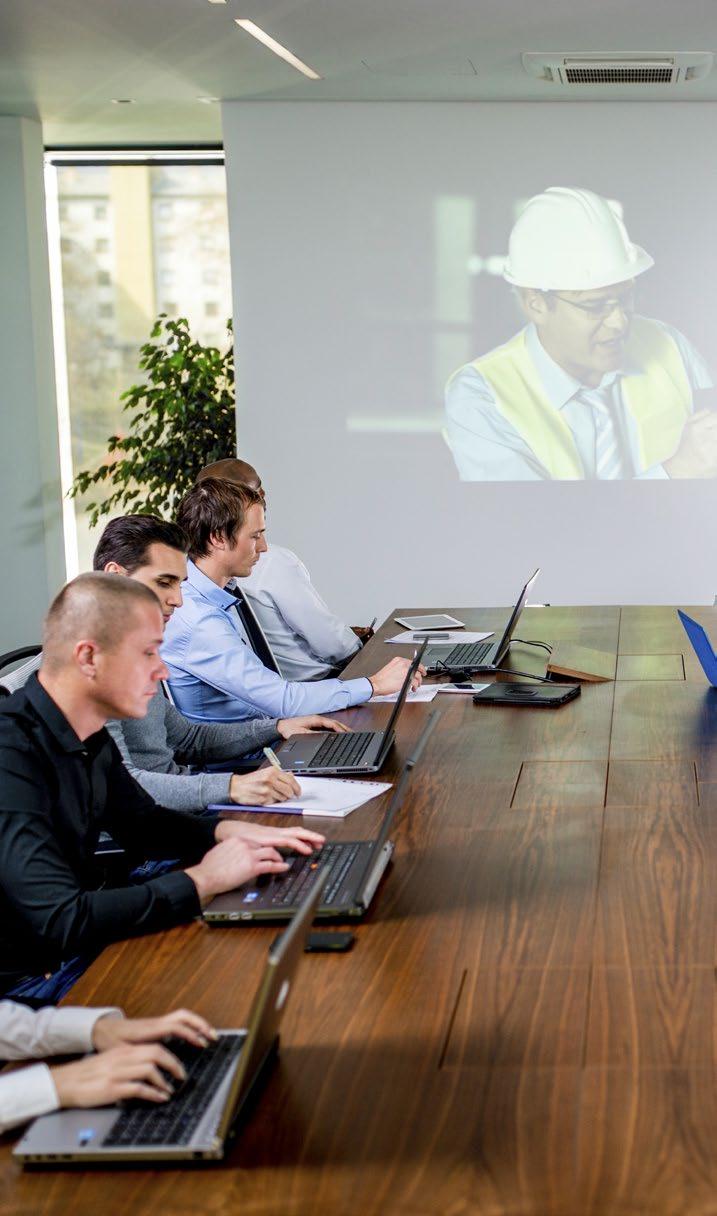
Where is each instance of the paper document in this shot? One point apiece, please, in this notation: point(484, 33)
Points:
point(425, 693)
point(333, 797)
point(451, 637)
point(464, 688)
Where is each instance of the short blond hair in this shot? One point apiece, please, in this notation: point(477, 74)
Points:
point(100, 607)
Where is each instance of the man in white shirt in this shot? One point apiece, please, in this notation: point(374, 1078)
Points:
point(306, 639)
point(129, 1057)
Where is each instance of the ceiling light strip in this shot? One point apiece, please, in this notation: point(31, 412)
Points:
point(256, 32)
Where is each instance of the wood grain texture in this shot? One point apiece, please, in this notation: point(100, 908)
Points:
point(526, 1025)
point(650, 667)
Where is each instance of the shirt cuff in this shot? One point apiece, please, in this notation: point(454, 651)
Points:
point(25, 1094)
point(72, 1026)
point(359, 690)
point(656, 472)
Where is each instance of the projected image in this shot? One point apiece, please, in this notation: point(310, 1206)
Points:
point(591, 386)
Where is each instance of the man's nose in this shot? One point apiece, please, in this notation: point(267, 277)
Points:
point(618, 319)
point(161, 672)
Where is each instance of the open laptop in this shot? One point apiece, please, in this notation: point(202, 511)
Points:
point(701, 646)
point(477, 656)
point(354, 869)
point(199, 1120)
point(360, 751)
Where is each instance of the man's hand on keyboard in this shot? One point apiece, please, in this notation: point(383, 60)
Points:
point(390, 678)
point(111, 1030)
point(303, 726)
point(300, 840)
point(129, 1071)
point(231, 863)
point(263, 787)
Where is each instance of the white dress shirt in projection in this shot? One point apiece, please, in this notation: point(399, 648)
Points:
point(305, 637)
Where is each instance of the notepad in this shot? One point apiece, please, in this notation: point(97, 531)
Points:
point(453, 637)
point(425, 693)
point(332, 797)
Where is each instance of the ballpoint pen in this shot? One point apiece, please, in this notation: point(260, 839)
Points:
point(272, 758)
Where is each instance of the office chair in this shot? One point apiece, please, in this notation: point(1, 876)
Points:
point(15, 679)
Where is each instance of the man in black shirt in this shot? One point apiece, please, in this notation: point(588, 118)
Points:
point(62, 782)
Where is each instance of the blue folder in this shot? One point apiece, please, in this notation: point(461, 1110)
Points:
point(701, 646)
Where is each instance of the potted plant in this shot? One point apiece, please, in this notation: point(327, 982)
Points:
point(182, 417)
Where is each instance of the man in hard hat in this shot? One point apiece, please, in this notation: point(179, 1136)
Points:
point(588, 389)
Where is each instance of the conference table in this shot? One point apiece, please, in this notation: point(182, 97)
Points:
point(526, 1023)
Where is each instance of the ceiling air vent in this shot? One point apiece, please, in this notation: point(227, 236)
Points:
point(578, 70)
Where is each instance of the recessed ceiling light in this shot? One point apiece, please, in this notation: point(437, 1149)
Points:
point(276, 47)
point(217, 1)
point(124, 101)
point(209, 101)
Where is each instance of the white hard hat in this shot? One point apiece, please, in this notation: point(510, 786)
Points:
point(571, 240)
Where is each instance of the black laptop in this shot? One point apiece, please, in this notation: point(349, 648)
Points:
point(354, 870)
point(477, 656)
point(324, 753)
point(201, 1117)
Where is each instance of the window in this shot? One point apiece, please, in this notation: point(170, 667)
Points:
point(103, 213)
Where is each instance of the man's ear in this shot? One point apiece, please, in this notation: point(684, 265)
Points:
point(535, 304)
point(217, 541)
point(114, 568)
point(85, 655)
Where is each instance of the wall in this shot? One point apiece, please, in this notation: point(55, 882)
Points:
point(361, 239)
point(31, 544)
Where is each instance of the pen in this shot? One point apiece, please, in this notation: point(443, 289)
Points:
point(373, 622)
point(272, 758)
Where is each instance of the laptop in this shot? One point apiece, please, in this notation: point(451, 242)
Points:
point(360, 751)
point(355, 868)
point(701, 646)
point(197, 1123)
point(478, 656)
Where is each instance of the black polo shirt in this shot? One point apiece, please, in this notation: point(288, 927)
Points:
point(56, 795)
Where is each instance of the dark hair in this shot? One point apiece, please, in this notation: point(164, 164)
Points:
point(214, 507)
point(127, 539)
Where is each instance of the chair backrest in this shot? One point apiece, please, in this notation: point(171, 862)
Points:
point(15, 679)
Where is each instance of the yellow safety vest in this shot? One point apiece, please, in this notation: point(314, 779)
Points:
point(658, 397)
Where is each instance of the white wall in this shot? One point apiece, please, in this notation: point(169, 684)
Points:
point(352, 231)
point(31, 543)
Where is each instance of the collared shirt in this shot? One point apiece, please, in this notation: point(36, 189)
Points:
point(25, 1034)
point(161, 750)
point(305, 637)
point(215, 675)
point(57, 793)
point(487, 447)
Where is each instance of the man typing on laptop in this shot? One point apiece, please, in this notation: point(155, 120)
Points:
point(62, 782)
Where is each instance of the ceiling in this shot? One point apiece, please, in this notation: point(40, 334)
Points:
point(63, 61)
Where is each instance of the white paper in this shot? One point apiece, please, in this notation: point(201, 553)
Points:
point(329, 796)
point(470, 688)
point(450, 638)
point(425, 693)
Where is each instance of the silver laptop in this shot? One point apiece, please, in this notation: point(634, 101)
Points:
point(358, 751)
point(354, 869)
point(199, 1120)
point(477, 656)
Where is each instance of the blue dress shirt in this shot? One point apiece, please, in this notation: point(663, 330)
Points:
point(215, 676)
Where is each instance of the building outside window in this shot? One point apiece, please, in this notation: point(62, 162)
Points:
point(124, 233)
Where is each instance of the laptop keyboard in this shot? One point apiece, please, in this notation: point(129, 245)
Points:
point(468, 654)
point(343, 751)
point(174, 1122)
point(291, 889)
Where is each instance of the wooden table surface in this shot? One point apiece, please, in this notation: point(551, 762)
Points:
point(526, 1023)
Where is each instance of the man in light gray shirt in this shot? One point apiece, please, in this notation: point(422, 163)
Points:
point(163, 750)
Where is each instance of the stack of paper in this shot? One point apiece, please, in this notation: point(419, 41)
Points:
point(425, 693)
point(333, 797)
point(447, 637)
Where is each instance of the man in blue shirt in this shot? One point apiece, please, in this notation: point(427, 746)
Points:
point(214, 672)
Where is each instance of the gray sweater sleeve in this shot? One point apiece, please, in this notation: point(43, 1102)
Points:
point(181, 790)
point(214, 742)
